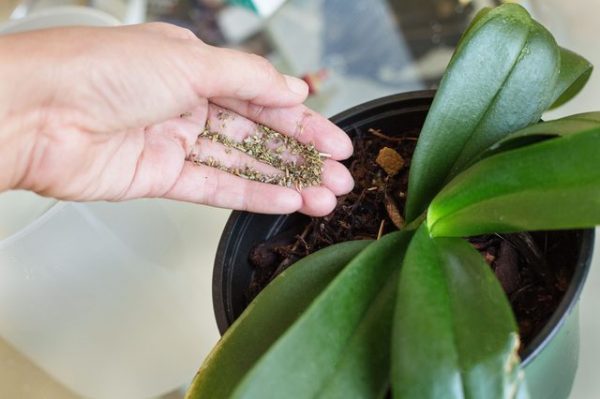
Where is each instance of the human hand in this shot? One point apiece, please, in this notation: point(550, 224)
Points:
point(96, 114)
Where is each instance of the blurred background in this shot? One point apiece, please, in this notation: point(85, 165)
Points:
point(349, 52)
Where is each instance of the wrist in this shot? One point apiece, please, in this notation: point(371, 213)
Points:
point(20, 119)
point(17, 145)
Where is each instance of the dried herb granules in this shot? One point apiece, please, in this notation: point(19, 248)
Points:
point(301, 165)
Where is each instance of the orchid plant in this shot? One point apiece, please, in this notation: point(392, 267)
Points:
point(419, 311)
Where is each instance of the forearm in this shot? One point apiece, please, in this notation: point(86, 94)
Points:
point(17, 144)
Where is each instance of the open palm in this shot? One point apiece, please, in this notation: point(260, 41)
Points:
point(115, 114)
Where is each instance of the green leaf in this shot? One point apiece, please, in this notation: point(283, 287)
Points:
point(500, 79)
point(310, 354)
point(267, 318)
point(364, 370)
point(575, 72)
point(454, 334)
point(545, 130)
point(554, 184)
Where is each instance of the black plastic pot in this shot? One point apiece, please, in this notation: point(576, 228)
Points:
point(551, 358)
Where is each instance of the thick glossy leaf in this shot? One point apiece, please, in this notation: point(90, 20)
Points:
point(309, 355)
point(364, 370)
point(500, 79)
point(267, 317)
point(454, 334)
point(575, 72)
point(554, 184)
point(545, 130)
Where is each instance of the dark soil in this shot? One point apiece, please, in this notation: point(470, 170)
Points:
point(534, 268)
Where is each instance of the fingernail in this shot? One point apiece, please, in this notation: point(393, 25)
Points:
point(296, 85)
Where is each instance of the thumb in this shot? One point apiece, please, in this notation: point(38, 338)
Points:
point(221, 72)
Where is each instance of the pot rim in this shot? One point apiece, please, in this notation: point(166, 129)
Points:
point(239, 221)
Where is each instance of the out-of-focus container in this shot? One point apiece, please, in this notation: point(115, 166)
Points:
point(59, 16)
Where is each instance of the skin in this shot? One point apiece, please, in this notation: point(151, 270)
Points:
point(95, 114)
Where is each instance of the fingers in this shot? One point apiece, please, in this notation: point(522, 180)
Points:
point(299, 122)
point(335, 176)
point(205, 185)
point(209, 152)
point(317, 201)
point(210, 186)
point(229, 123)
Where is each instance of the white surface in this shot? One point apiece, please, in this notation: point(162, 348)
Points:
point(14, 218)
point(113, 300)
